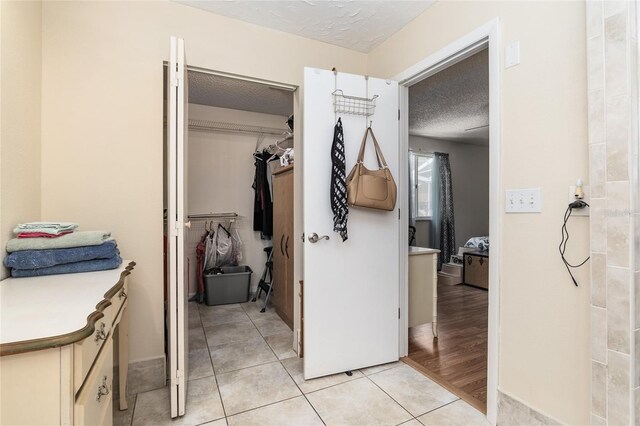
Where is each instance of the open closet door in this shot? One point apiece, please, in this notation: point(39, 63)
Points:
point(351, 288)
point(177, 222)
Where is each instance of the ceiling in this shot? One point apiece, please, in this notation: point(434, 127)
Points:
point(356, 25)
point(225, 92)
point(454, 103)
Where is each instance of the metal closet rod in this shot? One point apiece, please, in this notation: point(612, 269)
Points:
point(232, 215)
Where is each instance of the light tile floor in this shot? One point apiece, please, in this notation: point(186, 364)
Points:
point(243, 371)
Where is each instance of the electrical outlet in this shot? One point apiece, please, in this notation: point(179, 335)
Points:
point(586, 199)
point(523, 201)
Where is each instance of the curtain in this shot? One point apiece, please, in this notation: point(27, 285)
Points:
point(434, 228)
point(445, 214)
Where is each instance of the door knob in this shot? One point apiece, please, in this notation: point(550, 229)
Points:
point(313, 237)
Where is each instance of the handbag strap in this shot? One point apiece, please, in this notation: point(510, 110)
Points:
point(381, 161)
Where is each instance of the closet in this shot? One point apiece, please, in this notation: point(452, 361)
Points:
point(230, 121)
point(283, 243)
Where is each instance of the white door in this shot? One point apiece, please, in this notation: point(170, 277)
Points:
point(177, 223)
point(350, 288)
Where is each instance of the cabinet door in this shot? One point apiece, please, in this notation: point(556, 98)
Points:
point(279, 257)
point(287, 309)
point(288, 250)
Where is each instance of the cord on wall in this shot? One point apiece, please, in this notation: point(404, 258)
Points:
point(578, 204)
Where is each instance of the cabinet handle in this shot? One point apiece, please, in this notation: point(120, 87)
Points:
point(103, 389)
point(281, 239)
point(100, 334)
point(286, 247)
point(122, 294)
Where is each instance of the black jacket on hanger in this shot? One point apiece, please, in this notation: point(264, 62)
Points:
point(262, 205)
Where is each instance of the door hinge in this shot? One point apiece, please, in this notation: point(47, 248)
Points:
point(398, 214)
point(398, 313)
point(178, 379)
point(398, 114)
point(175, 80)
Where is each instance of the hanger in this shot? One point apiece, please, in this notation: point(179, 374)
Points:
point(260, 140)
point(287, 136)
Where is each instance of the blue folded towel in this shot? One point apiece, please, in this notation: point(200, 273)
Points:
point(70, 268)
point(34, 259)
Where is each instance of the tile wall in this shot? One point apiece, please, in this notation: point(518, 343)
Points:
point(612, 66)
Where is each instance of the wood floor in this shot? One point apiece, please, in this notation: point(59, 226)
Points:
point(457, 359)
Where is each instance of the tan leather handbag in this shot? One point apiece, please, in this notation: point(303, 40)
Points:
point(374, 189)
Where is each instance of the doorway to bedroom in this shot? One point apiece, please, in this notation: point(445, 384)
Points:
point(448, 193)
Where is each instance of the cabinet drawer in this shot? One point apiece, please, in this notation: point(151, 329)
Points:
point(94, 399)
point(85, 351)
point(476, 270)
point(117, 300)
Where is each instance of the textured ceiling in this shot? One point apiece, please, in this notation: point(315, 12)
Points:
point(454, 103)
point(225, 92)
point(356, 25)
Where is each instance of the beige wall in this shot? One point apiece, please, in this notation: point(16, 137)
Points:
point(21, 71)
point(102, 119)
point(544, 319)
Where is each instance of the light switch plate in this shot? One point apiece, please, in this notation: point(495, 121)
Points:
point(523, 201)
point(512, 55)
point(587, 199)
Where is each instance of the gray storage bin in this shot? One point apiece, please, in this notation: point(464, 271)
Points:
point(232, 286)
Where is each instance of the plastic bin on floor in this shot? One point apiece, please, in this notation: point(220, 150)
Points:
point(232, 286)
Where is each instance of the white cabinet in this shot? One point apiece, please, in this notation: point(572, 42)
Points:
point(423, 287)
point(56, 347)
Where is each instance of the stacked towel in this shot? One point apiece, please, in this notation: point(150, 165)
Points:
point(75, 239)
point(69, 253)
point(70, 268)
point(44, 229)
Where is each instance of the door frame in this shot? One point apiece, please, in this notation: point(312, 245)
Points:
point(487, 35)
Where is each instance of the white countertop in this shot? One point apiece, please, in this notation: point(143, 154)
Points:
point(42, 307)
point(413, 251)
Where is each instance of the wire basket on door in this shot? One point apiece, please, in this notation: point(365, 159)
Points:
point(354, 105)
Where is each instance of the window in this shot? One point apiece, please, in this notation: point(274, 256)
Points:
point(422, 196)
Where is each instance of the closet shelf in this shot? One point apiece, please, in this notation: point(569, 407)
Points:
point(221, 126)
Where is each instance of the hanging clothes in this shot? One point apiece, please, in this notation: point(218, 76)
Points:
point(224, 247)
point(338, 192)
point(262, 205)
point(200, 256)
point(210, 251)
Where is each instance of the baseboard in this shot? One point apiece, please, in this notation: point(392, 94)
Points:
point(514, 412)
point(142, 376)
